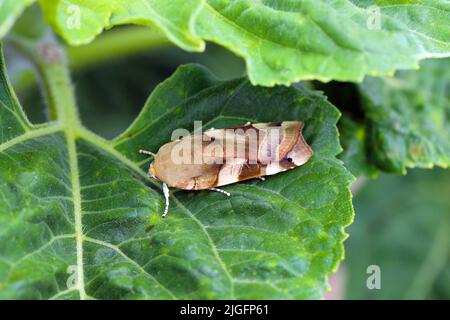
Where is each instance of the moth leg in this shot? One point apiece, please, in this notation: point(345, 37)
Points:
point(247, 123)
point(166, 197)
point(221, 191)
point(210, 129)
point(261, 178)
point(141, 151)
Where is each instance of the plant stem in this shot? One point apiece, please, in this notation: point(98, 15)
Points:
point(50, 62)
point(58, 87)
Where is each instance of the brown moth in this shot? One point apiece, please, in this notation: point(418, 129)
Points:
point(220, 157)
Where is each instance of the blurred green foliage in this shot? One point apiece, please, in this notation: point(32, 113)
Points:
point(402, 224)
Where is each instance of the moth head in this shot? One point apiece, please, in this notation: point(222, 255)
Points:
point(300, 153)
point(152, 172)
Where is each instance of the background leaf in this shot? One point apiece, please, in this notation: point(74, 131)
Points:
point(285, 41)
point(409, 117)
point(174, 18)
point(282, 41)
point(75, 202)
point(391, 124)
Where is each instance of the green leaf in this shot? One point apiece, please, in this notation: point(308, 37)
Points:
point(403, 226)
point(13, 122)
point(260, 217)
point(285, 41)
point(408, 118)
point(281, 41)
point(391, 124)
point(75, 204)
point(10, 10)
point(174, 18)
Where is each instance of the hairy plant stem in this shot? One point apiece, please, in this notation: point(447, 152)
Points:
point(58, 87)
point(49, 59)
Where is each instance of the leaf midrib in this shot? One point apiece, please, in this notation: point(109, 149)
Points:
point(77, 210)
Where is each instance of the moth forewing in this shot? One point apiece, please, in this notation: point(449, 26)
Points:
point(220, 157)
point(214, 151)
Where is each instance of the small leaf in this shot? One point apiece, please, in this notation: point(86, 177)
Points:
point(86, 222)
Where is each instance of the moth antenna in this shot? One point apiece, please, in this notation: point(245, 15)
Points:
point(141, 151)
point(166, 196)
point(221, 191)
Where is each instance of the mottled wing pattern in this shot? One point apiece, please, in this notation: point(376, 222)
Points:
point(282, 151)
point(223, 156)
